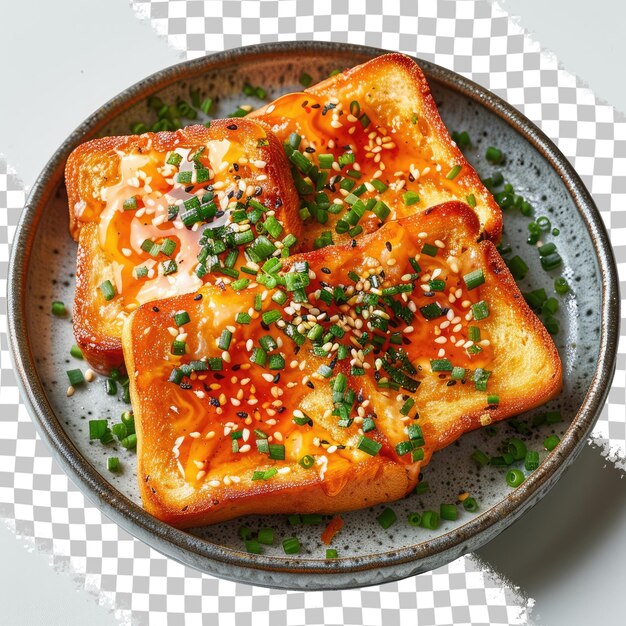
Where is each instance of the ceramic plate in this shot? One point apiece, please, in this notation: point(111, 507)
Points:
point(42, 270)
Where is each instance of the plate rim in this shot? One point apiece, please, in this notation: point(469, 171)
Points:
point(179, 544)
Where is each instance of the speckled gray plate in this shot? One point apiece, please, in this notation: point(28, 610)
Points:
point(42, 269)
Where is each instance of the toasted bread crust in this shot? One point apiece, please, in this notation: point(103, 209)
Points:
point(96, 164)
point(445, 412)
point(392, 88)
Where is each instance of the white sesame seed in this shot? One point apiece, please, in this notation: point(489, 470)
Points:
point(245, 448)
point(70, 391)
point(195, 434)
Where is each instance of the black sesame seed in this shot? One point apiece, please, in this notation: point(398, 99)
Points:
point(326, 270)
point(155, 309)
point(232, 127)
point(198, 296)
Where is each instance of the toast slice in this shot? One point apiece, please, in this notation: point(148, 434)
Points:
point(324, 384)
point(139, 207)
point(370, 140)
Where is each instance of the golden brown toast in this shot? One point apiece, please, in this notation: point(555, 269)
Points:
point(138, 209)
point(383, 142)
point(328, 380)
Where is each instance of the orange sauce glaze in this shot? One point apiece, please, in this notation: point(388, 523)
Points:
point(391, 155)
point(244, 396)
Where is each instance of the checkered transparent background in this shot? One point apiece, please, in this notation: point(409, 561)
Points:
point(473, 38)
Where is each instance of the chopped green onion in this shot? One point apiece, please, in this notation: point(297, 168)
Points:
point(494, 155)
point(441, 365)
point(271, 316)
point(266, 536)
point(243, 318)
point(240, 284)
point(474, 279)
point(457, 373)
point(470, 505)
point(410, 197)
point(531, 462)
point(387, 518)
point(514, 478)
point(551, 442)
point(178, 348)
point(454, 172)
point(277, 451)
point(169, 267)
point(517, 448)
point(480, 310)
point(97, 428)
point(430, 250)
point(225, 338)
point(551, 261)
point(76, 352)
point(75, 377)
point(130, 442)
point(276, 362)
point(369, 446)
point(431, 311)
point(517, 266)
point(107, 289)
point(471, 200)
point(291, 545)
point(448, 512)
point(480, 458)
point(174, 159)
point(130, 204)
point(493, 400)
point(181, 318)
point(430, 520)
point(331, 553)
point(307, 461)
point(422, 488)
point(253, 546)
point(113, 464)
point(414, 519)
point(58, 309)
point(561, 286)
point(110, 386)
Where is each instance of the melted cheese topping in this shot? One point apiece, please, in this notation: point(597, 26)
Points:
point(121, 233)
